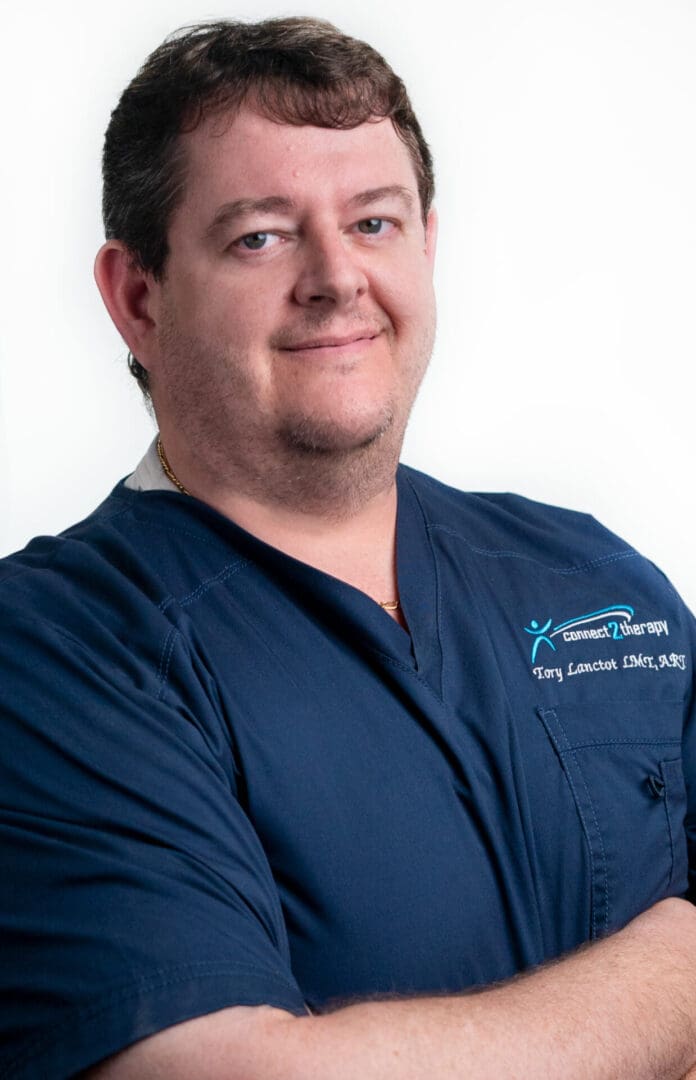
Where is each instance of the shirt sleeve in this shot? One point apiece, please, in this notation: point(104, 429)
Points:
point(134, 892)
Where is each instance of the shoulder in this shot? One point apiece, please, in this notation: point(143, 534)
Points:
point(72, 579)
point(137, 552)
point(521, 556)
point(501, 523)
point(96, 634)
point(109, 599)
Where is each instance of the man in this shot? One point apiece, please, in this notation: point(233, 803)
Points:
point(300, 745)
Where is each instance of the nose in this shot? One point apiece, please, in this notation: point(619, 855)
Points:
point(330, 273)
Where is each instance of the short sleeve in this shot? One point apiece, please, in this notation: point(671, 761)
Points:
point(134, 891)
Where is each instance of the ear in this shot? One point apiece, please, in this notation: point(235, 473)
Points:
point(431, 235)
point(127, 292)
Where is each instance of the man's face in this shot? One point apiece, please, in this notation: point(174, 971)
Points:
point(296, 316)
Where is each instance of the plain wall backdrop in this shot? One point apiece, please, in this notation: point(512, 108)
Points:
point(563, 135)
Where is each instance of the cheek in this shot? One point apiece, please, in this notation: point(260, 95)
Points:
point(213, 293)
point(404, 282)
point(246, 313)
point(412, 302)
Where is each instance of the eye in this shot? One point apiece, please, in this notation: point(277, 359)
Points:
point(254, 241)
point(371, 226)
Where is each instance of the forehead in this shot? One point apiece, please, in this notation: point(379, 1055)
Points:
point(250, 156)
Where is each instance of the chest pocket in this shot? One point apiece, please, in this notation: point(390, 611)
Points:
point(622, 763)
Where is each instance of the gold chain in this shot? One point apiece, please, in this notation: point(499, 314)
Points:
point(168, 471)
point(386, 605)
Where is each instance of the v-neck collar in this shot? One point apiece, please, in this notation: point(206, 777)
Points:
point(418, 581)
point(417, 650)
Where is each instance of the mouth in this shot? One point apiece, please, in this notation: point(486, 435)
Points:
point(333, 344)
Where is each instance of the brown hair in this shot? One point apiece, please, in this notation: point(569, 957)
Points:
point(298, 71)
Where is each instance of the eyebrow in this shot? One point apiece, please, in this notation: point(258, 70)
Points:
point(392, 191)
point(279, 204)
point(229, 212)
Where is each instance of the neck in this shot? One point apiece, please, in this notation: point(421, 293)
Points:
point(348, 532)
point(359, 548)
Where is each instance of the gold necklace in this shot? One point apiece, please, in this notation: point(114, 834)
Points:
point(386, 605)
point(168, 471)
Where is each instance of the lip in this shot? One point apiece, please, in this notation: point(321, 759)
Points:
point(332, 341)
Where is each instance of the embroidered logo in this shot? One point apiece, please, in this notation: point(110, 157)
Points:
point(616, 624)
point(608, 624)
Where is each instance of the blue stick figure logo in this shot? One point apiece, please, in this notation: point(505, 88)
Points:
point(539, 632)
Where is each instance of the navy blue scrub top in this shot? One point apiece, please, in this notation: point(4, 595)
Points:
point(228, 778)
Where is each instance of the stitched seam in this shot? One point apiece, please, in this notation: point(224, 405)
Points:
point(222, 575)
point(165, 653)
point(624, 742)
point(146, 521)
point(165, 661)
point(574, 790)
point(552, 716)
point(438, 615)
point(563, 752)
point(438, 592)
point(633, 701)
point(90, 1012)
point(672, 839)
point(599, 834)
point(218, 579)
point(409, 671)
point(390, 660)
point(493, 554)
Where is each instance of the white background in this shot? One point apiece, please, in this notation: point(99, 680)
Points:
point(564, 136)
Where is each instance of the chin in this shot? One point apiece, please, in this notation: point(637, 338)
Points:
point(310, 435)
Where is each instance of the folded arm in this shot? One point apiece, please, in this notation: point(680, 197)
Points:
point(621, 1009)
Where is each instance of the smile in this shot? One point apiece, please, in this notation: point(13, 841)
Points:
point(334, 345)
